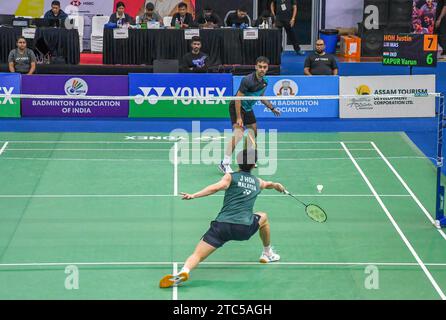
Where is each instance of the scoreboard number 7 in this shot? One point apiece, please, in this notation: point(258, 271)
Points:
point(430, 42)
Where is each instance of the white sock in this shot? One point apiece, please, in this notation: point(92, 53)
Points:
point(227, 159)
point(185, 269)
point(267, 249)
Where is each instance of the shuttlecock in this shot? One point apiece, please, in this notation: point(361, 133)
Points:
point(319, 188)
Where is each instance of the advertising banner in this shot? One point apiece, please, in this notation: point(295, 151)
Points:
point(71, 85)
point(148, 87)
point(364, 106)
point(281, 86)
point(9, 84)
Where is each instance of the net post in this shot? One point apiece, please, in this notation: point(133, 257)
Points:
point(440, 218)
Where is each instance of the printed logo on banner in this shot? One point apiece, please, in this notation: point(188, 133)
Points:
point(10, 84)
point(387, 96)
point(150, 94)
point(75, 3)
point(293, 86)
point(76, 87)
point(180, 86)
point(286, 87)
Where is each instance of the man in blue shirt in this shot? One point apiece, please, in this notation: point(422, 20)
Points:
point(241, 112)
point(55, 13)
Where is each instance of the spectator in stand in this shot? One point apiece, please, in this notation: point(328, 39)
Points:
point(237, 18)
point(208, 19)
point(55, 13)
point(320, 62)
point(120, 17)
point(285, 12)
point(195, 61)
point(22, 59)
point(150, 15)
point(182, 18)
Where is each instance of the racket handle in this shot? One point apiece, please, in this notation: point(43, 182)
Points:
point(286, 192)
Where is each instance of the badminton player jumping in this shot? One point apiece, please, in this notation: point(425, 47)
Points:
point(241, 112)
point(236, 220)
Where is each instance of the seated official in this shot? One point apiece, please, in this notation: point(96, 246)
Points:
point(195, 61)
point(120, 15)
point(320, 63)
point(182, 18)
point(22, 59)
point(237, 17)
point(55, 13)
point(264, 18)
point(208, 19)
point(150, 16)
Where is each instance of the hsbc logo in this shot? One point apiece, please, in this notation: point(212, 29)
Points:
point(75, 3)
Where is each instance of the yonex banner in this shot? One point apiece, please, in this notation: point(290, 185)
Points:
point(382, 106)
point(9, 84)
point(148, 87)
point(75, 86)
point(291, 86)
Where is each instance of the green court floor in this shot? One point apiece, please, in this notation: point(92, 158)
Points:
point(107, 205)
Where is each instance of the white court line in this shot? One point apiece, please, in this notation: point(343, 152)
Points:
point(164, 160)
point(7, 196)
point(175, 288)
point(175, 170)
point(395, 225)
point(170, 142)
point(85, 159)
point(4, 147)
point(415, 198)
point(183, 149)
point(217, 263)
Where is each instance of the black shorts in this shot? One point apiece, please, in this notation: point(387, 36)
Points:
point(221, 232)
point(247, 117)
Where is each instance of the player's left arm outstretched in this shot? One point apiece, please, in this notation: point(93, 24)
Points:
point(223, 184)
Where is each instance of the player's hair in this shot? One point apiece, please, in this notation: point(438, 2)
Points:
point(55, 3)
point(242, 9)
point(262, 59)
point(182, 5)
point(196, 39)
point(20, 38)
point(246, 159)
point(150, 6)
point(120, 4)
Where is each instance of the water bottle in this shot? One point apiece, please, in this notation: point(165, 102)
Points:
point(270, 23)
point(177, 24)
point(138, 20)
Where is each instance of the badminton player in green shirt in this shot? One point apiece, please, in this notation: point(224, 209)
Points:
point(236, 220)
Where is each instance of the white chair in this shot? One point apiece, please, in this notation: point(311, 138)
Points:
point(167, 21)
point(79, 25)
point(97, 32)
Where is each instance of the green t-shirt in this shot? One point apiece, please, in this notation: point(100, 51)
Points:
point(239, 199)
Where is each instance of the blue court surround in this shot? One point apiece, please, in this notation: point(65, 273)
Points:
point(291, 65)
